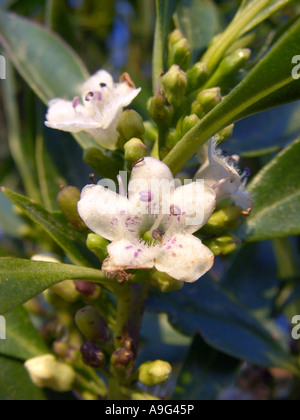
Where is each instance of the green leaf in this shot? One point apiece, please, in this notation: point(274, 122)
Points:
point(22, 340)
point(223, 323)
point(276, 193)
point(21, 280)
point(164, 10)
point(269, 84)
point(10, 223)
point(15, 384)
point(204, 373)
point(55, 224)
point(198, 20)
point(49, 66)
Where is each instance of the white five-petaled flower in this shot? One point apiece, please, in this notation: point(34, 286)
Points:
point(221, 174)
point(103, 102)
point(170, 218)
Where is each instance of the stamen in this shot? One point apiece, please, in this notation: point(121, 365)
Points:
point(103, 85)
point(139, 161)
point(158, 235)
point(89, 96)
point(222, 182)
point(125, 78)
point(121, 186)
point(246, 173)
point(175, 210)
point(92, 178)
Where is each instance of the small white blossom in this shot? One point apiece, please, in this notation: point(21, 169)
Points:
point(170, 219)
point(102, 105)
point(221, 174)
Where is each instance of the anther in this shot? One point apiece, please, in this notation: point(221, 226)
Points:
point(103, 85)
point(92, 178)
point(158, 235)
point(89, 96)
point(174, 210)
point(125, 78)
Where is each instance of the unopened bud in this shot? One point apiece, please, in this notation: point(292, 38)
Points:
point(227, 218)
point(122, 359)
point(224, 134)
point(97, 245)
point(92, 355)
point(229, 66)
point(188, 123)
point(135, 150)
point(222, 245)
point(174, 84)
point(206, 101)
point(66, 291)
point(180, 51)
point(88, 289)
point(67, 200)
point(130, 125)
point(160, 110)
point(197, 77)
point(66, 351)
point(91, 324)
point(165, 283)
point(173, 138)
point(46, 372)
point(154, 373)
point(105, 163)
point(151, 132)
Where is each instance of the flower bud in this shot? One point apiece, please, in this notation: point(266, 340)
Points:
point(154, 373)
point(66, 351)
point(174, 84)
point(151, 132)
point(165, 283)
point(227, 218)
point(122, 359)
point(224, 134)
point(129, 126)
point(206, 101)
point(229, 66)
point(179, 50)
point(105, 163)
point(88, 289)
point(46, 372)
point(188, 123)
point(160, 110)
point(91, 324)
point(97, 245)
point(197, 76)
point(66, 291)
point(173, 138)
point(222, 245)
point(67, 200)
point(92, 355)
point(135, 150)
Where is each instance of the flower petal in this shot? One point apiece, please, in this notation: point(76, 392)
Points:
point(191, 207)
point(107, 213)
point(184, 258)
point(128, 255)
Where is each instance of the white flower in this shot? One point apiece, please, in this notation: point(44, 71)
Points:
point(221, 174)
point(103, 103)
point(154, 207)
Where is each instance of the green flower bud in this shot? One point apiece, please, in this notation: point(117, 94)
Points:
point(97, 245)
point(197, 77)
point(222, 245)
point(188, 123)
point(180, 51)
point(92, 355)
point(160, 110)
point(227, 218)
point(224, 134)
point(229, 66)
point(91, 324)
point(46, 372)
point(66, 290)
point(154, 373)
point(67, 200)
point(129, 126)
point(165, 283)
point(174, 84)
point(122, 359)
point(173, 138)
point(135, 150)
point(105, 163)
point(206, 101)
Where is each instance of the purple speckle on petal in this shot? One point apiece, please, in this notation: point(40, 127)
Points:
point(146, 196)
point(123, 212)
point(181, 246)
point(75, 102)
point(136, 254)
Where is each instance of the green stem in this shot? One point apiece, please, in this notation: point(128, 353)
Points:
point(158, 50)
